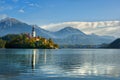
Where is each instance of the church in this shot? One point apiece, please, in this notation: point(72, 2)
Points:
point(33, 34)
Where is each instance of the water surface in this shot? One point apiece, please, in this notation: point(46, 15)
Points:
point(61, 64)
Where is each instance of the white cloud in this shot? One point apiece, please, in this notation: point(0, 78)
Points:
point(21, 10)
point(31, 4)
point(110, 28)
point(5, 8)
point(2, 16)
point(34, 5)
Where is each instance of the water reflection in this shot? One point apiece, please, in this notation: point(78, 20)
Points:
point(45, 57)
point(83, 64)
point(60, 63)
point(38, 57)
point(33, 60)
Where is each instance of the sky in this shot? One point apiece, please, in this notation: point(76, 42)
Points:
point(42, 12)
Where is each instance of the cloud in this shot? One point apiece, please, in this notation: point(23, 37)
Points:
point(33, 4)
point(5, 8)
point(21, 10)
point(2, 16)
point(110, 28)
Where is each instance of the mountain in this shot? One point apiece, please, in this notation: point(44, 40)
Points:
point(67, 32)
point(83, 39)
point(115, 44)
point(74, 36)
point(110, 28)
point(67, 35)
point(13, 26)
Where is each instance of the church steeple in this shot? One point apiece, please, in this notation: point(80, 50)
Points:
point(33, 31)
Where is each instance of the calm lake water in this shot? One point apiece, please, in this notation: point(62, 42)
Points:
point(61, 64)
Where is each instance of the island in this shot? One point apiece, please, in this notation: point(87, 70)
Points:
point(26, 40)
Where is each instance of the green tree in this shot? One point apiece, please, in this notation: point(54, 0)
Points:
point(2, 43)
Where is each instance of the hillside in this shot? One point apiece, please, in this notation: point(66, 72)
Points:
point(115, 44)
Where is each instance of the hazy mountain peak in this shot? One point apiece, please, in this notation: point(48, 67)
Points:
point(9, 20)
point(67, 31)
point(70, 30)
point(10, 23)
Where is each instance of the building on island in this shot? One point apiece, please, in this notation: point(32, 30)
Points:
point(33, 32)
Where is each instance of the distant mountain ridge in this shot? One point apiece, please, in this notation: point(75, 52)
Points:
point(110, 28)
point(66, 35)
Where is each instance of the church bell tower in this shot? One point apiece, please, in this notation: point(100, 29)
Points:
point(33, 32)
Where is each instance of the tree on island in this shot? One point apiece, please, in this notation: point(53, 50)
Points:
point(2, 43)
point(23, 41)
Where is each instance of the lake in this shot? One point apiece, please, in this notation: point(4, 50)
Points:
point(59, 64)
